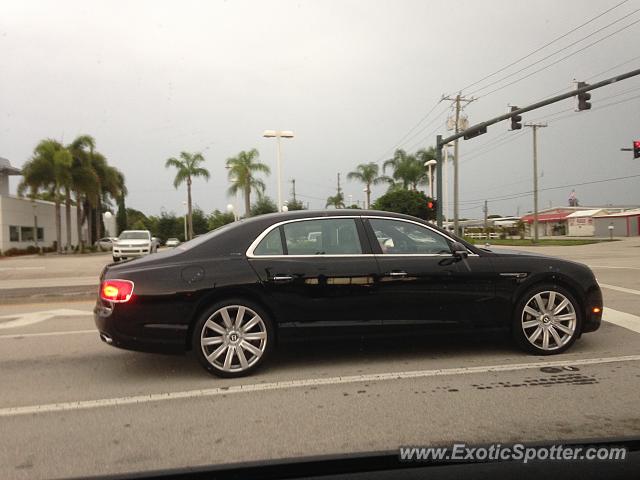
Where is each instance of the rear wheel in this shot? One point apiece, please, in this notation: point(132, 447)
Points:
point(547, 320)
point(233, 338)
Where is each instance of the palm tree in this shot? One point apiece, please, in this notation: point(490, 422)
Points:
point(367, 173)
point(242, 170)
point(49, 168)
point(85, 183)
point(336, 201)
point(188, 167)
point(406, 169)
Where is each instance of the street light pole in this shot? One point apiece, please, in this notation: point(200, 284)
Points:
point(279, 174)
point(430, 164)
point(184, 203)
point(278, 134)
point(534, 127)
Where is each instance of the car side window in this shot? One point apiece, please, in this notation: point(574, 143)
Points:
point(271, 244)
point(398, 237)
point(330, 236)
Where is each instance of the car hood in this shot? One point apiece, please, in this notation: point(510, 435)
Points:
point(508, 252)
point(133, 241)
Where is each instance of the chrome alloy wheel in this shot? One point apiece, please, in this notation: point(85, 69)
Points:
point(549, 320)
point(233, 338)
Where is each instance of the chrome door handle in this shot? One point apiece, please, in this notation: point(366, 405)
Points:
point(397, 274)
point(281, 278)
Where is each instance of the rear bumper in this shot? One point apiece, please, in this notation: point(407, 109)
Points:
point(120, 330)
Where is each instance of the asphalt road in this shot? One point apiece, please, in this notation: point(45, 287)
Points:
point(71, 406)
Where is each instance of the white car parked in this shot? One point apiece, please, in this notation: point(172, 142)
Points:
point(172, 242)
point(133, 243)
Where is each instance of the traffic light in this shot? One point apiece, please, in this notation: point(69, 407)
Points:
point(636, 149)
point(583, 98)
point(432, 205)
point(516, 120)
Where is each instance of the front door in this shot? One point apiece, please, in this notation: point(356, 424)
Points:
point(417, 273)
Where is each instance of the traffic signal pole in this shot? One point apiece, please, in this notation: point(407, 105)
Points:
point(482, 127)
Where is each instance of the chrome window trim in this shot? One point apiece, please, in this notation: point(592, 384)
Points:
point(259, 238)
point(447, 237)
point(256, 242)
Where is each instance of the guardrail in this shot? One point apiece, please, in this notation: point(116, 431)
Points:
point(482, 235)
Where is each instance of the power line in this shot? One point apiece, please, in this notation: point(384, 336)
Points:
point(594, 76)
point(529, 192)
point(560, 59)
point(436, 118)
point(397, 144)
point(499, 144)
point(544, 46)
point(556, 52)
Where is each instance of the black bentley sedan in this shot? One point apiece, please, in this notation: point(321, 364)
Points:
point(230, 294)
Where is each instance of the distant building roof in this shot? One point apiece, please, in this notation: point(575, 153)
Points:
point(547, 217)
point(7, 169)
point(586, 213)
point(627, 213)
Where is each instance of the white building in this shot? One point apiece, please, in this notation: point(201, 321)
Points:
point(580, 223)
point(20, 216)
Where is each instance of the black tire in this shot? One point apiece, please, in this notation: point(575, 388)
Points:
point(519, 333)
point(115, 259)
point(236, 370)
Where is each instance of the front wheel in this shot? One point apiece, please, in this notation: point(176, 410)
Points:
point(547, 320)
point(116, 259)
point(233, 338)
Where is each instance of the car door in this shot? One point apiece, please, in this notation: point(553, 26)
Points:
point(318, 271)
point(414, 278)
point(420, 280)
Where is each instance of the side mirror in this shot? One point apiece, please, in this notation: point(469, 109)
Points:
point(459, 250)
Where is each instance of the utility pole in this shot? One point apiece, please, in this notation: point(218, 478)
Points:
point(481, 128)
point(458, 99)
point(535, 127)
point(486, 211)
point(293, 183)
point(339, 189)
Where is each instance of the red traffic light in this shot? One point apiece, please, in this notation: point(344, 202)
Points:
point(636, 149)
point(430, 205)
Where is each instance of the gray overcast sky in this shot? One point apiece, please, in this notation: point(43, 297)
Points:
point(149, 79)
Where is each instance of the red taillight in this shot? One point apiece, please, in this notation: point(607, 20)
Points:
point(119, 291)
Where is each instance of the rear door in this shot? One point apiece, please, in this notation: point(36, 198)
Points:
point(318, 271)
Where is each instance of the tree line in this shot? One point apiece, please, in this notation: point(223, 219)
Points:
point(77, 174)
point(73, 174)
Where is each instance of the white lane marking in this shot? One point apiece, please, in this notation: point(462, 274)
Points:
point(621, 268)
point(261, 387)
point(4, 269)
point(46, 334)
point(22, 319)
point(622, 319)
point(49, 282)
point(620, 289)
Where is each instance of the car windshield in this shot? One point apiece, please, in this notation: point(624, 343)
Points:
point(245, 233)
point(134, 236)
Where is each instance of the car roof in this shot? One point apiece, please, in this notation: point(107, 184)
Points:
point(235, 238)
